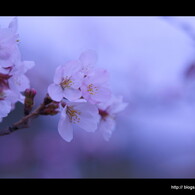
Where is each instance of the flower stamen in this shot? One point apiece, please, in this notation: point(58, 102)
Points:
point(66, 83)
point(92, 89)
point(73, 114)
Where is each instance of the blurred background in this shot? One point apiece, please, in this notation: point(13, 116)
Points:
point(151, 61)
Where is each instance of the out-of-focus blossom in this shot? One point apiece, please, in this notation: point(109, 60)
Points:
point(9, 51)
point(67, 81)
point(82, 114)
point(6, 99)
point(19, 81)
point(13, 80)
point(5, 109)
point(108, 113)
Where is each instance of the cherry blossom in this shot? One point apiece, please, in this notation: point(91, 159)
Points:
point(67, 81)
point(18, 82)
point(9, 51)
point(108, 113)
point(79, 78)
point(6, 100)
point(88, 60)
point(95, 87)
point(13, 80)
point(82, 114)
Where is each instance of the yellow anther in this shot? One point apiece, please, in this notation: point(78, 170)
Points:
point(92, 89)
point(66, 83)
point(73, 114)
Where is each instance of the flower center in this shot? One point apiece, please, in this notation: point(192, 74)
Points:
point(73, 114)
point(92, 89)
point(103, 114)
point(66, 83)
point(4, 80)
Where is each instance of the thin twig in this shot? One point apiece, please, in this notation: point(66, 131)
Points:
point(23, 123)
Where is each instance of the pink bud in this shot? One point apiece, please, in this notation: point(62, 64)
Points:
point(30, 93)
point(29, 100)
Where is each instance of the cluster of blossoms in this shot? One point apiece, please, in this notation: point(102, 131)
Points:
point(80, 92)
point(13, 80)
point(84, 97)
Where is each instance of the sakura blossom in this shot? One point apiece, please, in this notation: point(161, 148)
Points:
point(18, 82)
point(82, 114)
point(9, 51)
point(79, 78)
point(95, 87)
point(95, 82)
point(13, 80)
point(88, 60)
point(108, 113)
point(67, 81)
point(5, 105)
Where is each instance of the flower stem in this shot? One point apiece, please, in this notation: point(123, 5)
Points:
point(22, 123)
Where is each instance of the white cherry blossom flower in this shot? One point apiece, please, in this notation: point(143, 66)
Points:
point(6, 100)
point(95, 87)
point(82, 114)
point(108, 113)
point(67, 81)
point(13, 80)
point(9, 51)
point(88, 61)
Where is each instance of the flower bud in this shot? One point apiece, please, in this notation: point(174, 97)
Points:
point(30, 93)
point(29, 100)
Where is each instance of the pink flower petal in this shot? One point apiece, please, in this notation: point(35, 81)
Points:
point(58, 75)
point(87, 123)
point(88, 58)
point(106, 127)
point(85, 93)
point(72, 94)
point(102, 95)
point(77, 80)
point(13, 25)
point(117, 105)
point(12, 96)
point(89, 116)
point(55, 92)
point(65, 129)
point(99, 77)
point(70, 68)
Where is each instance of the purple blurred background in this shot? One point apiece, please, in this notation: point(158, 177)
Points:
point(151, 61)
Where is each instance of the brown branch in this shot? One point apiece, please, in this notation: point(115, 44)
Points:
point(23, 123)
point(48, 107)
